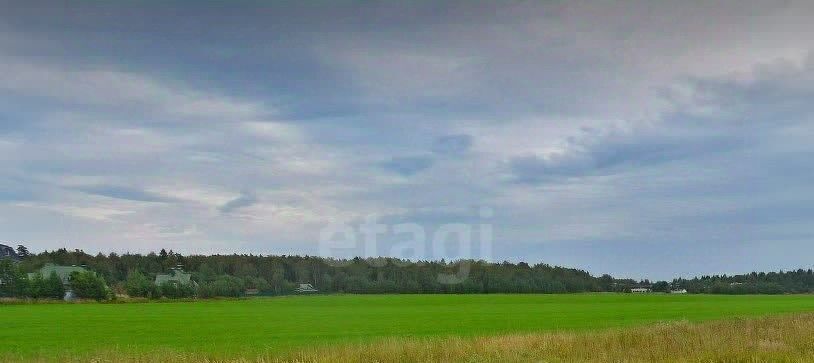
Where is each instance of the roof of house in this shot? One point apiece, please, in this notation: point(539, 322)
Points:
point(8, 252)
point(176, 275)
point(305, 288)
point(64, 272)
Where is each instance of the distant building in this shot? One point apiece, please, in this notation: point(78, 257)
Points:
point(640, 290)
point(64, 274)
point(305, 288)
point(678, 291)
point(251, 292)
point(176, 275)
point(6, 252)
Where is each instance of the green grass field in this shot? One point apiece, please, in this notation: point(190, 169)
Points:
point(263, 325)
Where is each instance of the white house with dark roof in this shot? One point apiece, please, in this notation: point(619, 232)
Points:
point(306, 288)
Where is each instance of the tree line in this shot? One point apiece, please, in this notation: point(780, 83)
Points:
point(783, 282)
point(232, 275)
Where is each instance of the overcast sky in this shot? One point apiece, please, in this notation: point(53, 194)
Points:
point(641, 139)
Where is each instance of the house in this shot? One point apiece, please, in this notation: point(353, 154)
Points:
point(176, 275)
point(251, 292)
point(64, 274)
point(305, 288)
point(678, 291)
point(640, 290)
point(6, 252)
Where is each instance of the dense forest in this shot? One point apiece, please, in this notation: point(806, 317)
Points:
point(788, 282)
point(232, 275)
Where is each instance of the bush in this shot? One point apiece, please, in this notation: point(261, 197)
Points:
point(225, 286)
point(54, 288)
point(258, 283)
point(13, 283)
point(50, 288)
point(138, 285)
point(36, 286)
point(174, 290)
point(89, 286)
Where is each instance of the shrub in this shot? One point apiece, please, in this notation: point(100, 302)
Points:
point(36, 286)
point(226, 286)
point(174, 290)
point(13, 283)
point(50, 288)
point(53, 287)
point(138, 285)
point(89, 286)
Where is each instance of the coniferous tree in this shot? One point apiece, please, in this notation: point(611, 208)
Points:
point(22, 252)
point(53, 287)
point(13, 282)
point(89, 286)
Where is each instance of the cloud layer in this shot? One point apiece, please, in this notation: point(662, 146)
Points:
point(633, 138)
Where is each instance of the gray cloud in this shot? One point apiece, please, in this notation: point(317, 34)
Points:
point(15, 189)
point(245, 200)
point(593, 154)
point(452, 144)
point(125, 193)
point(626, 123)
point(407, 165)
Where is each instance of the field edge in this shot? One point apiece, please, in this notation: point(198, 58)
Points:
point(783, 338)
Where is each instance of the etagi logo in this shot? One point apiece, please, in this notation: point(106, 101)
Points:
point(460, 242)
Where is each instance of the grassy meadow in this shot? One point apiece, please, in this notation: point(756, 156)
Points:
point(784, 338)
point(277, 328)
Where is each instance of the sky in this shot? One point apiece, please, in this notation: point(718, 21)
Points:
point(637, 138)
